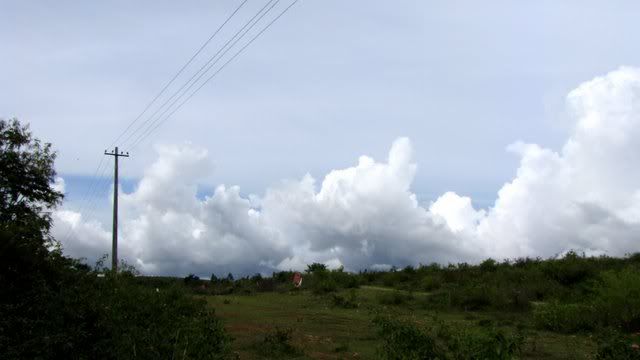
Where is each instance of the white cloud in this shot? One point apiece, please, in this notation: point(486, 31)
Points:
point(58, 185)
point(585, 196)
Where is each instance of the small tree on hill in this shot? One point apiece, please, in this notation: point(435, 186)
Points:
point(316, 268)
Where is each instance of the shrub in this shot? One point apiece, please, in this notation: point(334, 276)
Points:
point(395, 298)
point(437, 300)
point(346, 302)
point(265, 285)
point(324, 285)
point(344, 279)
point(617, 298)
point(192, 280)
point(570, 270)
point(277, 343)
point(404, 341)
point(486, 344)
point(475, 297)
point(114, 318)
point(567, 318)
point(488, 265)
point(613, 345)
point(431, 283)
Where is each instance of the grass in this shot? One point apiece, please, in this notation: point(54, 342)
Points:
point(322, 331)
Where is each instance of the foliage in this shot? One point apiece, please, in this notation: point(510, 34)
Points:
point(395, 298)
point(615, 301)
point(110, 318)
point(348, 301)
point(323, 285)
point(613, 345)
point(617, 298)
point(316, 268)
point(54, 307)
point(431, 283)
point(565, 318)
point(26, 194)
point(192, 280)
point(277, 343)
point(158, 324)
point(406, 340)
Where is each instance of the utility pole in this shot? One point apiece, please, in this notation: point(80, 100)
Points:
point(114, 244)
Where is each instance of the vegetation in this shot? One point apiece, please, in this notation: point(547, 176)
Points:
point(54, 307)
point(406, 340)
point(567, 307)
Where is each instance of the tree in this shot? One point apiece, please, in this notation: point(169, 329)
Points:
point(54, 307)
point(26, 195)
point(32, 271)
point(316, 268)
point(26, 199)
point(192, 279)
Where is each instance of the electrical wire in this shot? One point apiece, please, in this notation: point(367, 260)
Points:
point(139, 140)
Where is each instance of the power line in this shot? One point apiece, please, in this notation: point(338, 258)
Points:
point(140, 139)
point(179, 72)
point(88, 201)
point(206, 66)
point(153, 126)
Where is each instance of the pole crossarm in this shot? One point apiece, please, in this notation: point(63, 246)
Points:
point(114, 245)
point(115, 153)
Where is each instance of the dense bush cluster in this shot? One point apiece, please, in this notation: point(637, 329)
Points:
point(613, 301)
point(54, 307)
point(405, 340)
point(73, 311)
point(516, 285)
point(278, 344)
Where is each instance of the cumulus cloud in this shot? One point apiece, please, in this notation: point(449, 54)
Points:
point(58, 185)
point(586, 196)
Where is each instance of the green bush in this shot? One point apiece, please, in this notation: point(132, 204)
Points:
point(404, 341)
point(617, 298)
point(109, 318)
point(566, 318)
point(277, 343)
point(165, 324)
point(613, 345)
point(475, 297)
point(348, 301)
point(489, 343)
point(324, 286)
point(431, 283)
point(395, 298)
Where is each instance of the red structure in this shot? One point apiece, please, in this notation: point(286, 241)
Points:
point(297, 279)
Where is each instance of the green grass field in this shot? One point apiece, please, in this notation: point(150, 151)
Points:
point(323, 331)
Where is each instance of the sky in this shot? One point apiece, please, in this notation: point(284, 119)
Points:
point(356, 133)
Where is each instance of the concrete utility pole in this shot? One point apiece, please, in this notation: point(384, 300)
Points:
point(114, 244)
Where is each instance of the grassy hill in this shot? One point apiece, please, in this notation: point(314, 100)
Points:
point(568, 308)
